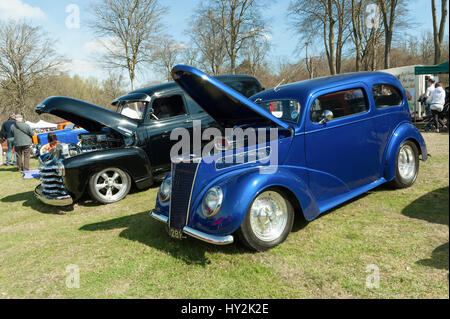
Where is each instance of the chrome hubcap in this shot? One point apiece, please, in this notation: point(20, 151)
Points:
point(268, 216)
point(111, 184)
point(406, 162)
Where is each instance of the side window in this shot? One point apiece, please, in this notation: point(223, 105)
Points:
point(386, 95)
point(341, 103)
point(168, 106)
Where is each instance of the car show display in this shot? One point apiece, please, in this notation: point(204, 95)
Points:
point(119, 149)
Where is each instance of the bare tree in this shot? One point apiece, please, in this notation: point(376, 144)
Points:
point(254, 54)
point(132, 27)
point(438, 32)
point(327, 19)
point(208, 39)
point(167, 55)
point(391, 12)
point(366, 34)
point(26, 56)
point(240, 21)
point(113, 85)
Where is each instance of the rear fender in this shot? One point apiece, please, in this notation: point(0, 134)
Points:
point(403, 132)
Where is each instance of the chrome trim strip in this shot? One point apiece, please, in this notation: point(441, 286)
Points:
point(47, 168)
point(243, 153)
point(41, 173)
point(159, 217)
point(64, 200)
point(212, 239)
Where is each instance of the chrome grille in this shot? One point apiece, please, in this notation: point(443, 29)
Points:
point(52, 184)
point(183, 178)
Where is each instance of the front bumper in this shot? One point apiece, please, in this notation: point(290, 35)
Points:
point(212, 239)
point(63, 200)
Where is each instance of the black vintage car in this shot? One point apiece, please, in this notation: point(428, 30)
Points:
point(122, 148)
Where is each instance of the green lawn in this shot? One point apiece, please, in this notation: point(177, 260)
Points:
point(122, 252)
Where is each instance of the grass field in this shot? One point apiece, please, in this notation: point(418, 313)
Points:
point(121, 252)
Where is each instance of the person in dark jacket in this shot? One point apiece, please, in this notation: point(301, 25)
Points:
point(22, 134)
point(5, 133)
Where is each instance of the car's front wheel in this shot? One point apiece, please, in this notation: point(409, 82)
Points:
point(268, 221)
point(407, 165)
point(109, 185)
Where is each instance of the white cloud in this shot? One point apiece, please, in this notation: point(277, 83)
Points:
point(82, 68)
point(16, 9)
point(99, 45)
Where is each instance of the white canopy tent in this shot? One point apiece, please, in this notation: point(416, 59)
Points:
point(41, 124)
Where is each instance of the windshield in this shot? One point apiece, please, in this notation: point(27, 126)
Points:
point(287, 110)
point(134, 110)
point(246, 88)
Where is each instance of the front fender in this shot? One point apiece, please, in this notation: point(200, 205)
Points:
point(79, 169)
point(240, 187)
point(403, 132)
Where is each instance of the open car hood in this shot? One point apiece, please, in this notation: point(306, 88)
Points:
point(89, 116)
point(222, 103)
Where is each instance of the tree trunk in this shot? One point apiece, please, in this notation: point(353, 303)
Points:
point(332, 56)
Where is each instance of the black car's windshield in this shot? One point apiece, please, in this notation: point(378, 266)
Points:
point(134, 110)
point(287, 110)
point(245, 87)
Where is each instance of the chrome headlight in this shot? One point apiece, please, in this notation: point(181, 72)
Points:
point(212, 201)
point(165, 189)
point(60, 169)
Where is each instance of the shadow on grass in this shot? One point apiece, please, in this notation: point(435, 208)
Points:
point(142, 228)
point(432, 207)
point(8, 168)
point(28, 200)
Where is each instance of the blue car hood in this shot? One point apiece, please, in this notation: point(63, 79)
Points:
point(222, 103)
point(89, 116)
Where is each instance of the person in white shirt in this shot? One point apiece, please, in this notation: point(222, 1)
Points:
point(436, 102)
point(427, 94)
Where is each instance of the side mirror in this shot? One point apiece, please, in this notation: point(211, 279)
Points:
point(327, 116)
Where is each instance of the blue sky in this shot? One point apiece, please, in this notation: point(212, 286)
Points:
point(81, 47)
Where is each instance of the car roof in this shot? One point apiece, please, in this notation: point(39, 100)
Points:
point(303, 89)
point(164, 87)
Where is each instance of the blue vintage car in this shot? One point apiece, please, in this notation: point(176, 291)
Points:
point(337, 137)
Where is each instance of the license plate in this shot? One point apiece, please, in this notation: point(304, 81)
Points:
point(176, 233)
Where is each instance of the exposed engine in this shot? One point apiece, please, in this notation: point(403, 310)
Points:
point(90, 142)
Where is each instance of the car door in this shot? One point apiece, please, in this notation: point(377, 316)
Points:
point(169, 112)
point(340, 152)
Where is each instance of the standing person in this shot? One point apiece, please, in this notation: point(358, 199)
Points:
point(22, 134)
point(427, 94)
point(6, 134)
point(437, 101)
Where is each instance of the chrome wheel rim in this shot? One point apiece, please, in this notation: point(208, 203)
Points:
point(268, 216)
point(111, 184)
point(406, 162)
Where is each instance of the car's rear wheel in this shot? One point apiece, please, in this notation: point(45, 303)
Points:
point(268, 221)
point(407, 165)
point(109, 185)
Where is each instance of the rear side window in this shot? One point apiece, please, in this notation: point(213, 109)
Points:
point(340, 103)
point(169, 106)
point(386, 95)
point(246, 88)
